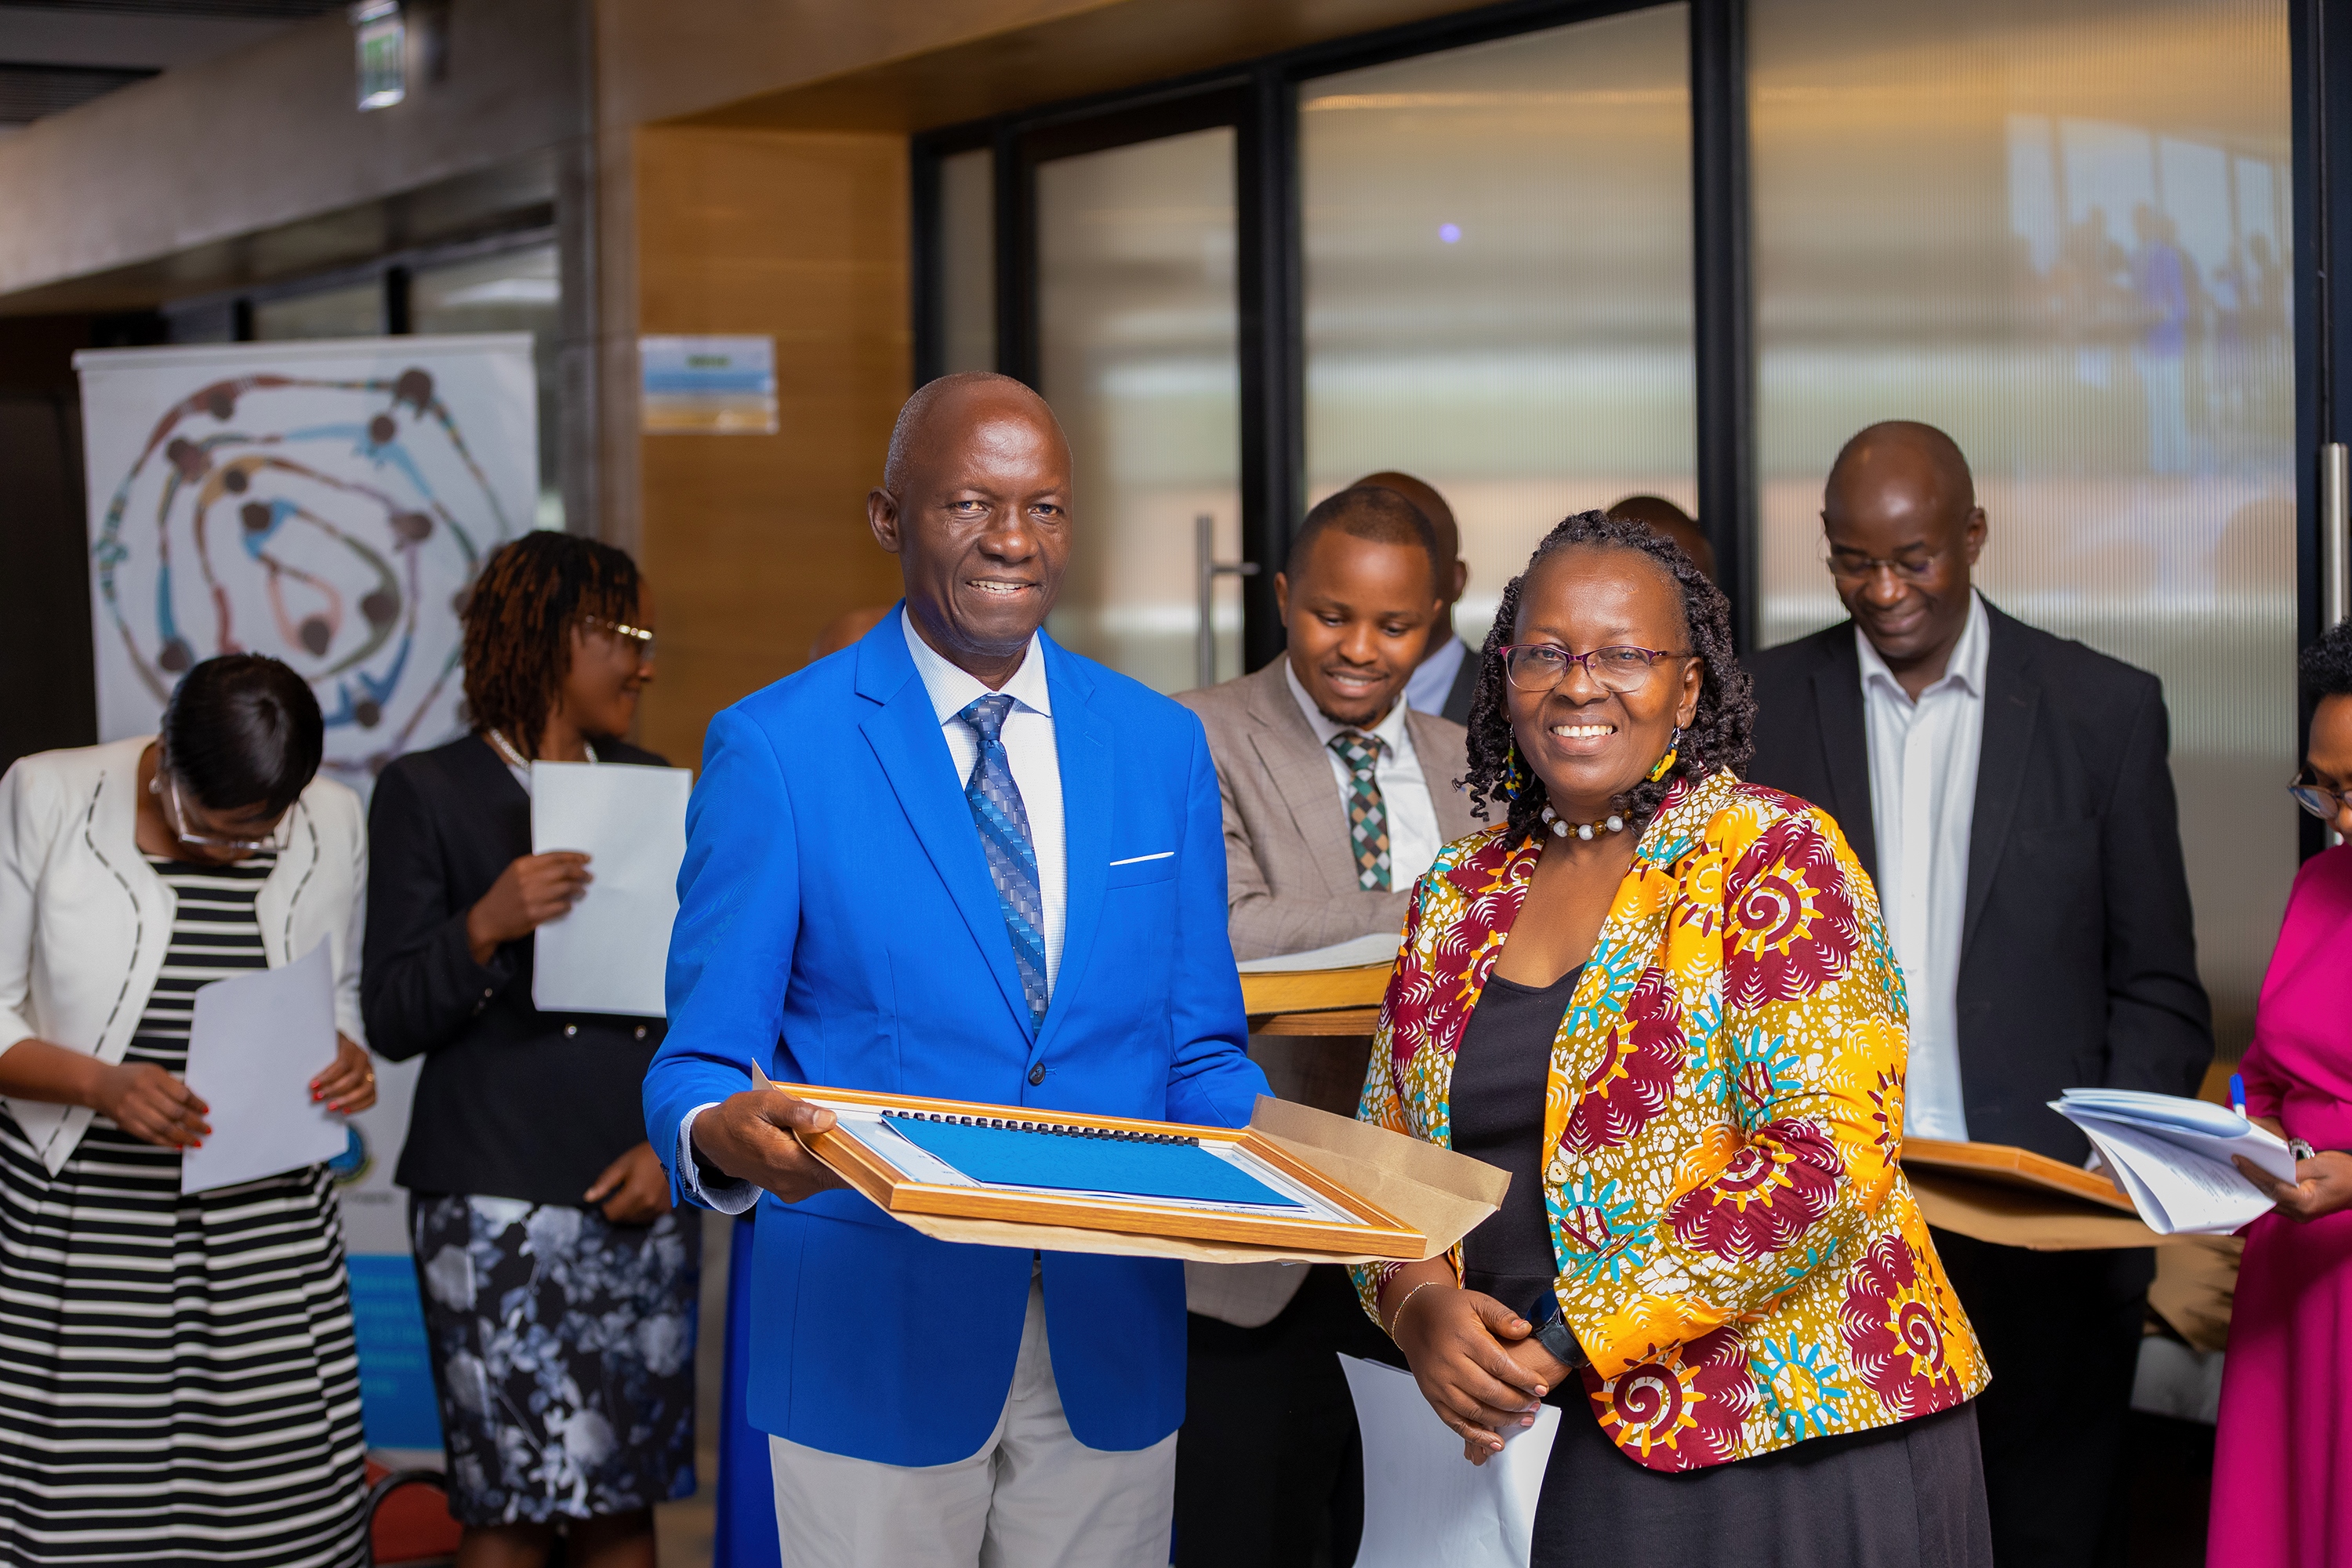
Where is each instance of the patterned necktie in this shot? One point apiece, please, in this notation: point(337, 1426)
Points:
point(1003, 823)
point(1368, 820)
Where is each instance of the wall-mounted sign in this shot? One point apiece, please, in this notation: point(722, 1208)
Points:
point(382, 40)
point(709, 387)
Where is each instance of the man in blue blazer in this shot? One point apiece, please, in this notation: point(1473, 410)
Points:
point(953, 859)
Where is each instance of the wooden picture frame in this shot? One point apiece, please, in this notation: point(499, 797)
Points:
point(1375, 1232)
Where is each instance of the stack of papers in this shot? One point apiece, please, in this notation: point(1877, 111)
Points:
point(1381, 947)
point(2171, 1157)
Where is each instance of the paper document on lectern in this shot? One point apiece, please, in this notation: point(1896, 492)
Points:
point(1297, 1184)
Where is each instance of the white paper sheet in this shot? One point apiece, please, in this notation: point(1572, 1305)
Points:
point(255, 1045)
point(2172, 1159)
point(609, 954)
point(1425, 1505)
point(2176, 1191)
point(1381, 947)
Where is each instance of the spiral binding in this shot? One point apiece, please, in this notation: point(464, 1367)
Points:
point(1058, 1130)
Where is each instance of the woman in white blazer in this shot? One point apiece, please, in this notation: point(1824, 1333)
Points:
point(178, 1373)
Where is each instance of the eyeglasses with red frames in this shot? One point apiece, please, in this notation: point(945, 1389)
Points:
point(1540, 666)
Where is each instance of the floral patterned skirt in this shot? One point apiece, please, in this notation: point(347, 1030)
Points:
point(563, 1355)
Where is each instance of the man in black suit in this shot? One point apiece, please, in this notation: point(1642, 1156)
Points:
point(2009, 792)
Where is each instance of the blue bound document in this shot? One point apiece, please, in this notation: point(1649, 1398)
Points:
point(1066, 1160)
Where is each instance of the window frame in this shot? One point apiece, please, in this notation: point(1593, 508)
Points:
point(1262, 97)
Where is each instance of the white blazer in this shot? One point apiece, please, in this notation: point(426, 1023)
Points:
point(84, 920)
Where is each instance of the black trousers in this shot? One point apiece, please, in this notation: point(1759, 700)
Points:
point(2062, 1331)
point(1269, 1470)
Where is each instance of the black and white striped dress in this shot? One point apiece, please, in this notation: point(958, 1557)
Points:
point(179, 1383)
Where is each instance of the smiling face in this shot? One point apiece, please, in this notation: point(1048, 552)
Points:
point(609, 669)
point(1357, 612)
point(1905, 498)
point(1587, 743)
point(979, 519)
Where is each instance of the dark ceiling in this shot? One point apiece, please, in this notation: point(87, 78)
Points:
point(58, 55)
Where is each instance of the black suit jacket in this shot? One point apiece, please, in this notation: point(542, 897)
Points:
point(2078, 961)
point(1465, 685)
point(512, 1102)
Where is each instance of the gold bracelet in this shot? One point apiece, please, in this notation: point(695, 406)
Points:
point(1398, 1316)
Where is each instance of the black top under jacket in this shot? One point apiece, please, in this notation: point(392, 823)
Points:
point(1502, 1075)
point(2078, 957)
point(513, 1103)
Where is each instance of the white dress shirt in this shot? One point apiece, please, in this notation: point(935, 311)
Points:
point(1028, 737)
point(1923, 791)
point(1432, 680)
point(1414, 843)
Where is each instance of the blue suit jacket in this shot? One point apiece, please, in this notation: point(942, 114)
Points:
point(836, 924)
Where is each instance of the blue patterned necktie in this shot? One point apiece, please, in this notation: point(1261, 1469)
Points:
point(1003, 823)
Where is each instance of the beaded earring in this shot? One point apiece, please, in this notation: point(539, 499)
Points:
point(1667, 760)
point(1515, 773)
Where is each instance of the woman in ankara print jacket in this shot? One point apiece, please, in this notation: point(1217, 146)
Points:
point(1663, 1000)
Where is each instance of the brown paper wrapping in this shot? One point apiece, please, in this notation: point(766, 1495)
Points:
point(1438, 1192)
point(2038, 1221)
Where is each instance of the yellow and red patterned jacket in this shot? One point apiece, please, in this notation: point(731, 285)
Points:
point(1739, 1252)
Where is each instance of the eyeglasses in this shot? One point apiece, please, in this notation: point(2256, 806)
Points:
point(1915, 565)
point(2323, 804)
point(277, 838)
point(1540, 666)
point(638, 634)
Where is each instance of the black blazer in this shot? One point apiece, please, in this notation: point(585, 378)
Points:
point(512, 1102)
point(2078, 961)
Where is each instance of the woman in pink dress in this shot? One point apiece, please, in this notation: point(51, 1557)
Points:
point(2282, 1463)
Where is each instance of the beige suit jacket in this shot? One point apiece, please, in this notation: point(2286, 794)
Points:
point(1290, 871)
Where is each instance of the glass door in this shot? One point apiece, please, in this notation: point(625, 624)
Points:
point(2060, 229)
point(1497, 245)
point(1137, 327)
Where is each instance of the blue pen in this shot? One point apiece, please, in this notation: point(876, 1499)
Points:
point(2238, 1093)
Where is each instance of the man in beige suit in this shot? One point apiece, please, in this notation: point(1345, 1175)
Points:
point(1307, 743)
point(1338, 795)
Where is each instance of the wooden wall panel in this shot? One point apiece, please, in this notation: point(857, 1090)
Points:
point(752, 542)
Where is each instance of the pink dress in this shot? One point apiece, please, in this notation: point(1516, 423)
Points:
point(2282, 1460)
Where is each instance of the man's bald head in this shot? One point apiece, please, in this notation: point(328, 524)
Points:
point(1905, 456)
point(1664, 517)
point(975, 502)
point(964, 392)
point(1904, 529)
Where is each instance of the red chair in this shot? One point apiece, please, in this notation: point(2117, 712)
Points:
point(408, 1518)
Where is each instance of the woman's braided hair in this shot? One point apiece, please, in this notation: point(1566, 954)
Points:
point(519, 618)
point(1721, 733)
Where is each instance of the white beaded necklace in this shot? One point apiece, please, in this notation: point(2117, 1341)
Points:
point(1561, 827)
point(513, 759)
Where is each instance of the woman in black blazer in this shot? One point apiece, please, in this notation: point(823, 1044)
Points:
point(559, 1286)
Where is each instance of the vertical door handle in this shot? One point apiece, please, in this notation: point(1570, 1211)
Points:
point(2335, 533)
point(1204, 652)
